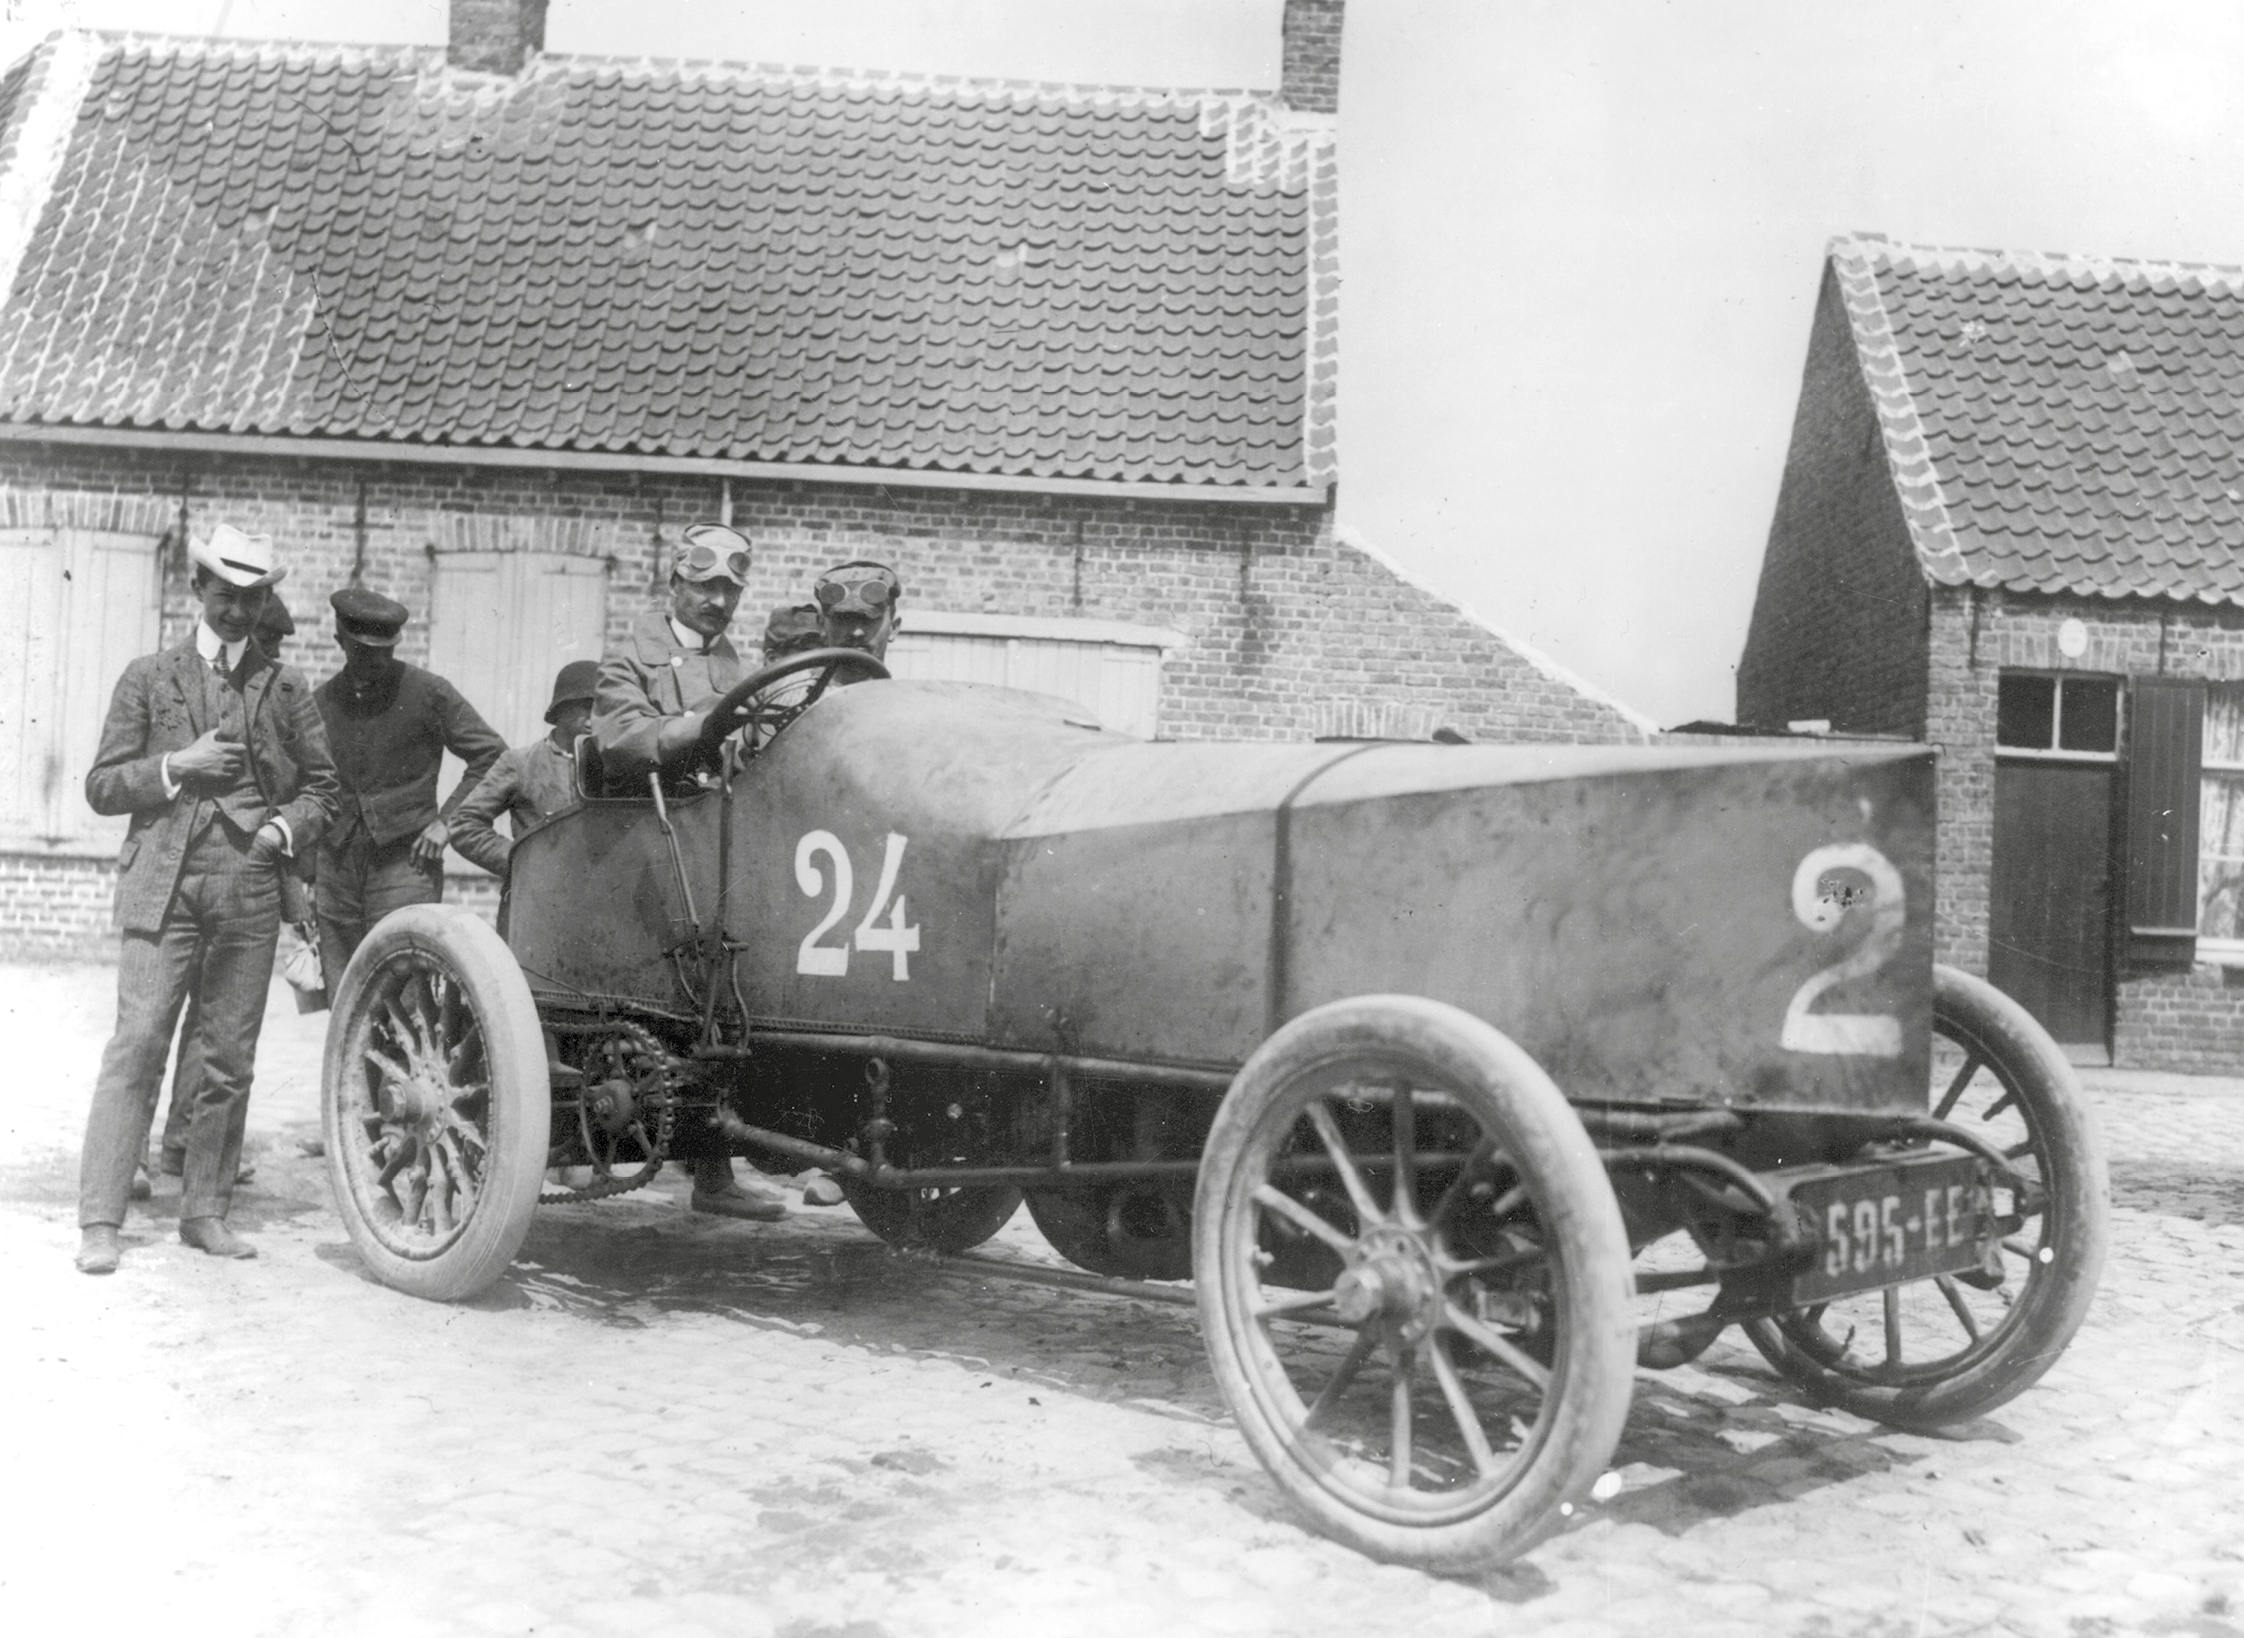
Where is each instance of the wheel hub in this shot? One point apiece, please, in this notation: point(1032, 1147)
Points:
point(1394, 1281)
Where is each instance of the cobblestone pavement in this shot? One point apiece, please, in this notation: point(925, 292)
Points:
point(668, 1425)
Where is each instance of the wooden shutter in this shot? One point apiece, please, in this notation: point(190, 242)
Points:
point(84, 603)
point(2165, 733)
point(500, 625)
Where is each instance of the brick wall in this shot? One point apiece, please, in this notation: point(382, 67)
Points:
point(1290, 630)
point(2160, 1020)
point(1309, 66)
point(1839, 621)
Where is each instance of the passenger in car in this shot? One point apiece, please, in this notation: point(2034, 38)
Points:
point(857, 605)
point(531, 784)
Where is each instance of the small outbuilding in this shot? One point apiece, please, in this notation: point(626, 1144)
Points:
point(2012, 525)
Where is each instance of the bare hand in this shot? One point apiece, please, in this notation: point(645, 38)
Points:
point(210, 757)
point(428, 847)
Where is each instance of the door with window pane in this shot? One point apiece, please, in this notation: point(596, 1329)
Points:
point(2049, 895)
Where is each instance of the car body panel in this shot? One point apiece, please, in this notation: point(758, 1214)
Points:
point(1748, 926)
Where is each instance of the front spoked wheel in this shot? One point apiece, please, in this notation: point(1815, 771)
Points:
point(1414, 1281)
point(435, 1102)
point(1946, 1349)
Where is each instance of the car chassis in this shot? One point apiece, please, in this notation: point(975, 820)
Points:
point(1425, 1275)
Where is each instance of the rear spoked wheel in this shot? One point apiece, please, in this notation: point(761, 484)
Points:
point(1944, 1350)
point(1414, 1281)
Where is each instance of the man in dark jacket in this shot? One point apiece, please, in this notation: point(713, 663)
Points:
point(390, 724)
point(219, 756)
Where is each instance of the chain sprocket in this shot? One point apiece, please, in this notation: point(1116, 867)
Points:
point(657, 1078)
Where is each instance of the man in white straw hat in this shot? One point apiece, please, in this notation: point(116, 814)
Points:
point(218, 754)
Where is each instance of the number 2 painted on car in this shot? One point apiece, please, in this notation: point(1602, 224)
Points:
point(898, 938)
point(1852, 1034)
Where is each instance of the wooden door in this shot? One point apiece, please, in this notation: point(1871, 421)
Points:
point(2049, 899)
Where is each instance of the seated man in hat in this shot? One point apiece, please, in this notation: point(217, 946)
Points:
point(390, 724)
point(792, 628)
point(650, 701)
point(531, 784)
point(220, 758)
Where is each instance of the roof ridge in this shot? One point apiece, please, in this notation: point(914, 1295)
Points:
point(1870, 249)
point(547, 63)
point(1916, 484)
point(1347, 534)
point(37, 138)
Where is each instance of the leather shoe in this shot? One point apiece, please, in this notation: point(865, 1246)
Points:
point(821, 1189)
point(212, 1235)
point(97, 1249)
point(722, 1195)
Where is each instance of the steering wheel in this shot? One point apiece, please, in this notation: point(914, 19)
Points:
point(735, 710)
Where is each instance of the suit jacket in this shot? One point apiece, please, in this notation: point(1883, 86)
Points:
point(652, 676)
point(390, 748)
point(158, 708)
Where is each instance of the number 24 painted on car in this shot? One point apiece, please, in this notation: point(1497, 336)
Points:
point(898, 938)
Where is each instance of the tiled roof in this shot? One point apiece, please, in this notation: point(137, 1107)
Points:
point(2058, 423)
point(674, 259)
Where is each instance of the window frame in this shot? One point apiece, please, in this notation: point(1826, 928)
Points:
point(2052, 752)
point(2221, 952)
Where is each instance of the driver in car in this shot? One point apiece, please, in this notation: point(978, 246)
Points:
point(647, 711)
point(653, 692)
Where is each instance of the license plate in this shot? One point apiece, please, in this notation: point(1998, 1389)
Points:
point(1885, 1224)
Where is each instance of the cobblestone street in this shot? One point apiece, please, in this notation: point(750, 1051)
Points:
point(663, 1424)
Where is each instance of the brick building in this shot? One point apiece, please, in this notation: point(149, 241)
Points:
point(483, 328)
point(2012, 525)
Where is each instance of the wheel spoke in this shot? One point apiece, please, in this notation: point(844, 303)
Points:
point(1971, 1066)
point(1286, 1206)
point(2018, 1151)
point(1495, 1342)
point(1293, 1302)
point(2021, 1250)
point(1954, 1293)
point(1461, 1409)
point(1398, 1421)
point(1343, 1376)
point(1402, 1112)
point(388, 1065)
point(1494, 1265)
point(1328, 1133)
point(1460, 1185)
point(1891, 1301)
point(2006, 1101)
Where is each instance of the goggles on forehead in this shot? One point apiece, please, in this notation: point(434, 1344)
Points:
point(700, 561)
point(873, 591)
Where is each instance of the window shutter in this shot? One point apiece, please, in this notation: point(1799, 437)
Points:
point(2165, 733)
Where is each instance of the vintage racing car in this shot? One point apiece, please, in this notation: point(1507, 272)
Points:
point(1460, 1080)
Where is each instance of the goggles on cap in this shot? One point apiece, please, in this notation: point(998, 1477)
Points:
point(700, 559)
point(873, 590)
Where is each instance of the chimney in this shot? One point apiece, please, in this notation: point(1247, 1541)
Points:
point(1309, 74)
point(495, 36)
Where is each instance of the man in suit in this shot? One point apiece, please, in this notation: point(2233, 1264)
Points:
point(274, 626)
point(647, 712)
point(390, 724)
point(219, 756)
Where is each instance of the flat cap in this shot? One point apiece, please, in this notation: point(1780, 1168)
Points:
point(792, 628)
point(367, 616)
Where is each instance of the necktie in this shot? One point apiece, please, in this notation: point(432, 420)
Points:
point(218, 665)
